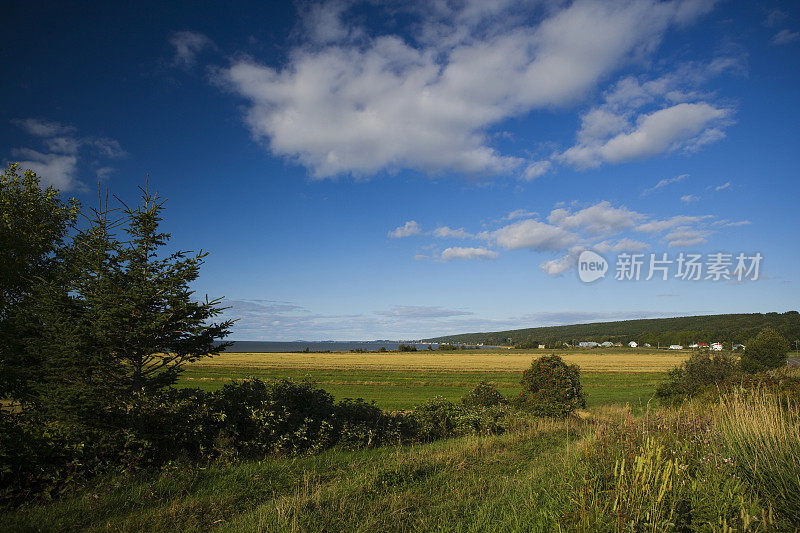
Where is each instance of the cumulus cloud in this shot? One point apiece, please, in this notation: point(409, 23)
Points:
point(680, 126)
point(187, 45)
point(445, 232)
point(457, 252)
point(598, 219)
point(352, 103)
point(689, 198)
point(622, 245)
point(58, 164)
point(406, 230)
point(54, 169)
point(685, 237)
point(530, 234)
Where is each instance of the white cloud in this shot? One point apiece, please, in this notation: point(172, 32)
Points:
point(689, 198)
point(375, 103)
point(406, 230)
point(43, 128)
point(423, 311)
point(536, 169)
point(684, 237)
point(722, 187)
point(457, 252)
point(622, 245)
point(598, 219)
point(53, 169)
point(519, 213)
point(188, 44)
point(664, 183)
point(556, 267)
point(785, 37)
point(655, 226)
point(774, 18)
point(445, 232)
point(680, 126)
point(58, 166)
point(530, 234)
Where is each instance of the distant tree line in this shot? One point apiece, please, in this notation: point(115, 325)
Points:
point(728, 329)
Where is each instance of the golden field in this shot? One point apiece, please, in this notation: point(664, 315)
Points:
point(444, 362)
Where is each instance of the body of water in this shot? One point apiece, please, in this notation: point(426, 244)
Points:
point(320, 346)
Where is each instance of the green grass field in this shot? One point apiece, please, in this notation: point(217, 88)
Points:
point(403, 389)
point(402, 380)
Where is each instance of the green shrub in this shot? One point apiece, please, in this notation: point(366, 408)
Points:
point(36, 458)
point(439, 418)
point(765, 351)
point(360, 425)
point(701, 371)
point(551, 388)
point(483, 395)
point(276, 417)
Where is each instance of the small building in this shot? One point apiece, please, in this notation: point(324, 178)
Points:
point(738, 346)
point(716, 346)
point(542, 347)
point(633, 344)
point(607, 344)
point(702, 345)
point(587, 344)
point(647, 345)
point(675, 347)
point(693, 345)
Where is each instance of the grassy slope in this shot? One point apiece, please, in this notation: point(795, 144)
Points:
point(510, 482)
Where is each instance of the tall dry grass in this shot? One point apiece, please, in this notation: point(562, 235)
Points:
point(761, 432)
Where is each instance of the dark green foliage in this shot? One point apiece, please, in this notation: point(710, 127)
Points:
point(36, 458)
point(120, 320)
point(664, 331)
point(439, 418)
point(34, 223)
point(483, 395)
point(551, 387)
point(701, 371)
point(407, 348)
point(765, 351)
point(276, 417)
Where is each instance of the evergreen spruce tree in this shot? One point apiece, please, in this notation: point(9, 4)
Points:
point(121, 321)
point(34, 225)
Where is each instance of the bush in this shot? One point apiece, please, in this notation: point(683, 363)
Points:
point(551, 388)
point(276, 417)
point(765, 351)
point(360, 424)
point(439, 418)
point(36, 458)
point(701, 371)
point(483, 395)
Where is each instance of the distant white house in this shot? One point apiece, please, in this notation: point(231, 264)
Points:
point(675, 347)
point(738, 346)
point(693, 345)
point(716, 346)
point(647, 345)
point(607, 344)
point(633, 344)
point(587, 344)
point(542, 346)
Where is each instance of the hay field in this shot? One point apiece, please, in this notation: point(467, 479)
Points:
point(628, 362)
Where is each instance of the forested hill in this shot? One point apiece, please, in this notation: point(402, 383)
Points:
point(681, 330)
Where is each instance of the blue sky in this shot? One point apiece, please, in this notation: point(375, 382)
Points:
point(400, 170)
